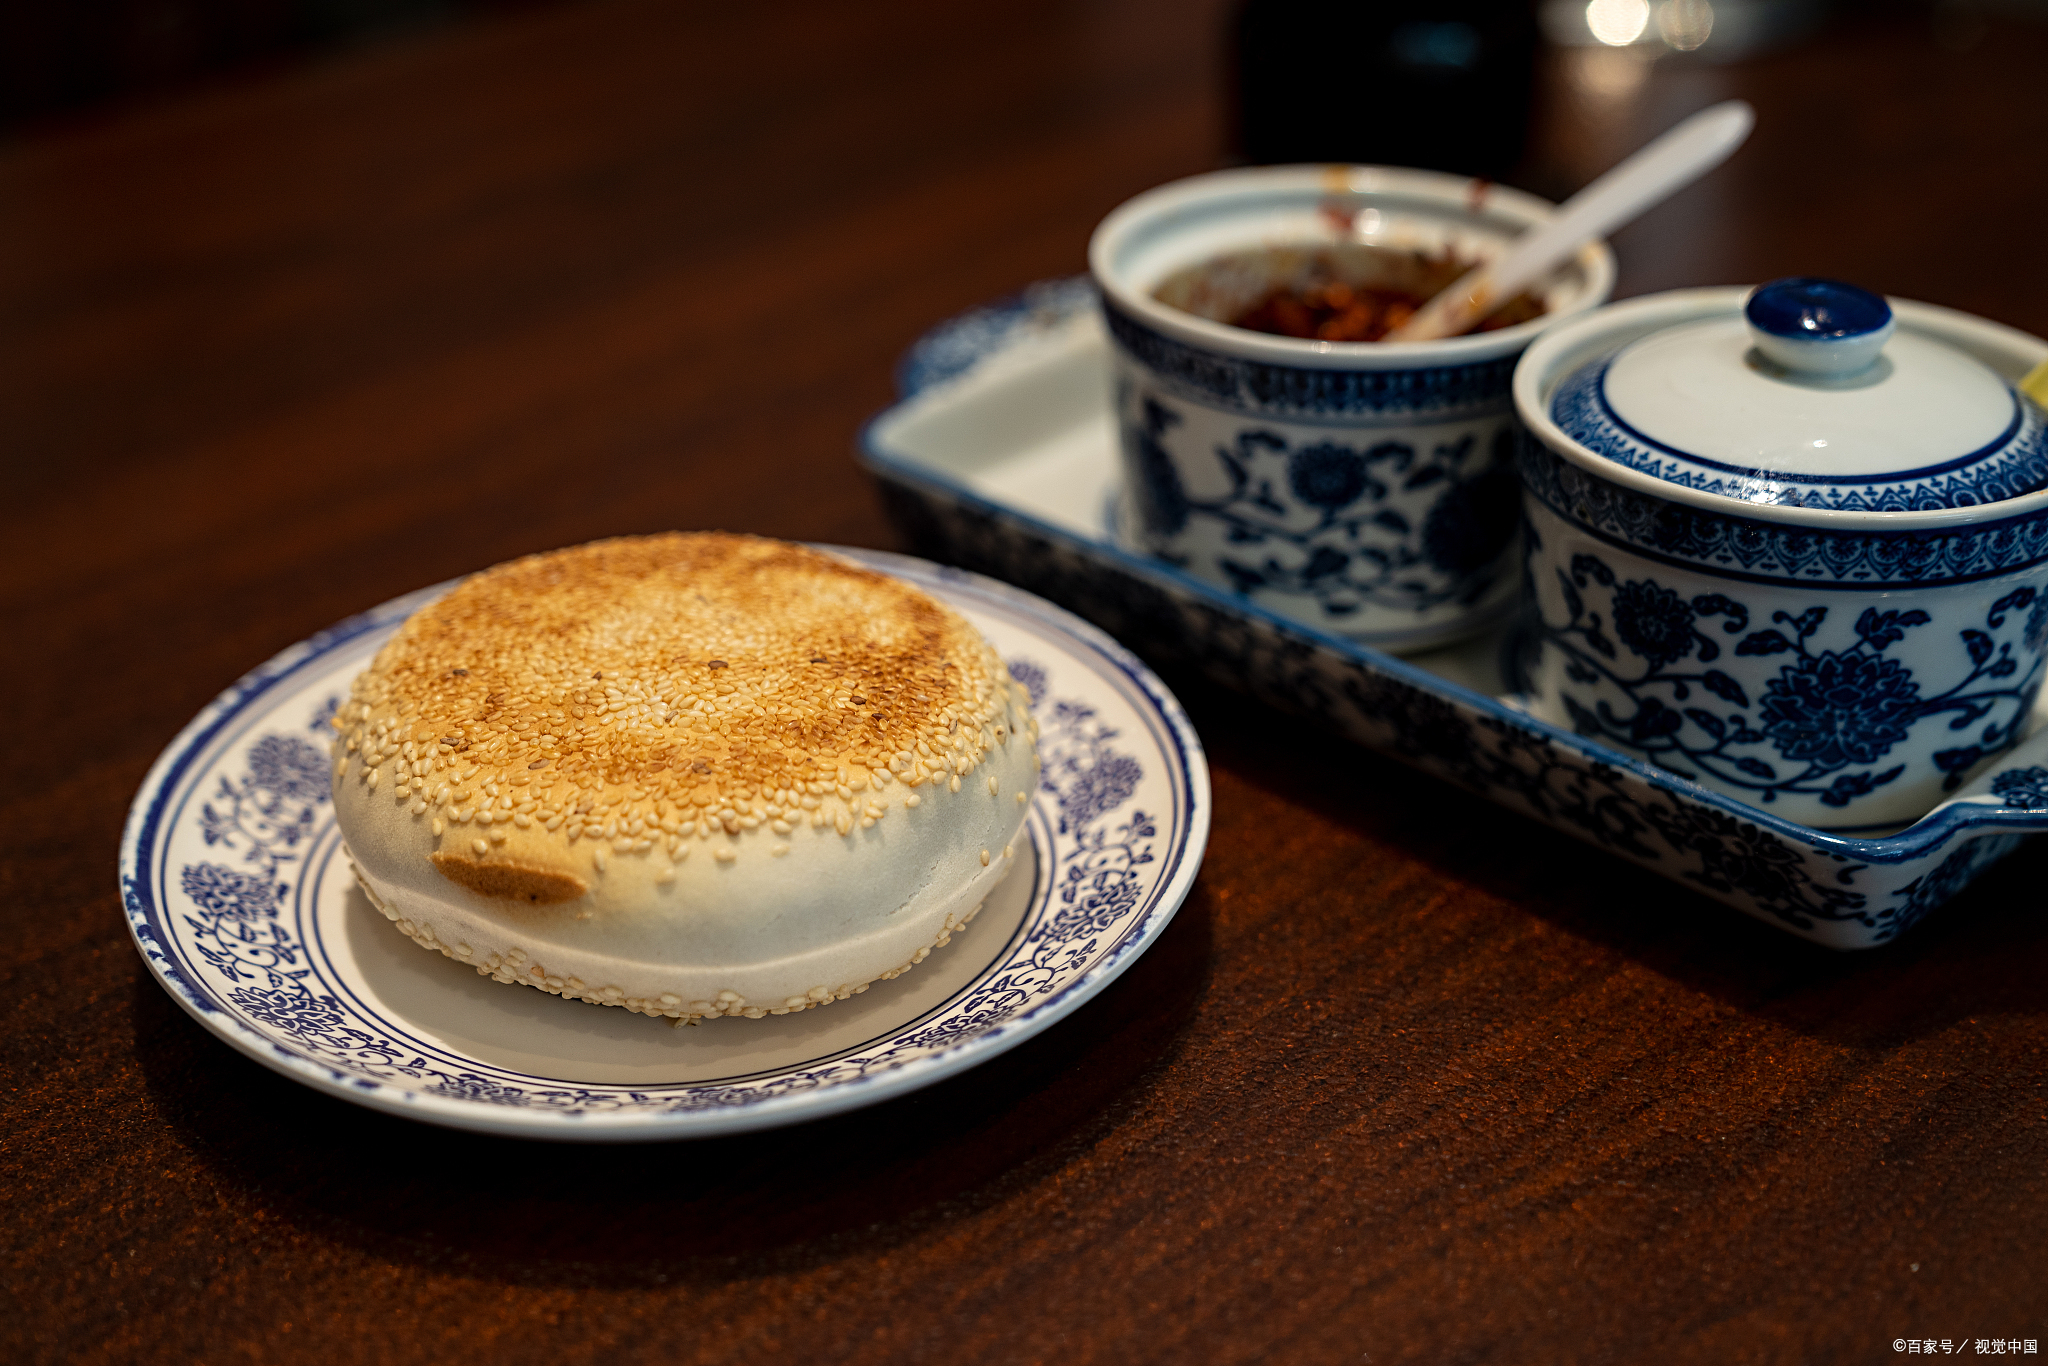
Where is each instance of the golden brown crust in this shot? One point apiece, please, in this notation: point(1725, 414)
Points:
point(632, 693)
point(799, 657)
point(509, 881)
point(558, 662)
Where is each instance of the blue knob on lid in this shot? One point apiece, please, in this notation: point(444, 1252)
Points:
point(1816, 327)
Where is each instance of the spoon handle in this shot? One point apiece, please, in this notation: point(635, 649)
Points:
point(2035, 385)
point(1667, 164)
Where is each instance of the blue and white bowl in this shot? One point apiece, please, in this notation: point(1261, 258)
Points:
point(1363, 488)
point(1790, 543)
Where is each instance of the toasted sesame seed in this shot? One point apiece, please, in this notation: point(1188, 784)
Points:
point(643, 738)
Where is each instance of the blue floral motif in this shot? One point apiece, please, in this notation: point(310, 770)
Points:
point(472, 1087)
point(295, 1012)
point(1758, 862)
point(290, 768)
point(276, 982)
point(1826, 711)
point(1839, 708)
point(227, 894)
point(1327, 475)
point(271, 810)
point(1104, 787)
point(1654, 622)
point(1161, 501)
point(1098, 882)
point(1031, 676)
point(1734, 859)
point(323, 717)
point(1740, 858)
point(1804, 884)
point(1084, 774)
point(1955, 872)
point(1344, 539)
point(267, 814)
point(2023, 787)
point(1089, 778)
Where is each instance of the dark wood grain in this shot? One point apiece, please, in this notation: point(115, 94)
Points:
point(1407, 1080)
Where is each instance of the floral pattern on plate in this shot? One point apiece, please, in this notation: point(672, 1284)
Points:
point(235, 892)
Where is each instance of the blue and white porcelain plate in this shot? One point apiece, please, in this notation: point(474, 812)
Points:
point(241, 902)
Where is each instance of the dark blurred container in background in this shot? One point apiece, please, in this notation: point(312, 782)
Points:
point(61, 56)
point(1443, 85)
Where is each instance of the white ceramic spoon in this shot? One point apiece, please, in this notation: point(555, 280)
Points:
point(1670, 163)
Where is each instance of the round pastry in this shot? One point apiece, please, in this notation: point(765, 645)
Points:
point(690, 775)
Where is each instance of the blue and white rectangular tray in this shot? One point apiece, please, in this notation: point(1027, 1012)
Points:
point(1000, 456)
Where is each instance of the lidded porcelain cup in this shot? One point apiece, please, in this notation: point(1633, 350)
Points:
point(1364, 488)
point(1790, 543)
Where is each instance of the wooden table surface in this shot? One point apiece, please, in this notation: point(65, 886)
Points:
point(1408, 1079)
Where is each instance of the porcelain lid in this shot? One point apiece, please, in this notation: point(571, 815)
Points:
point(1809, 397)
